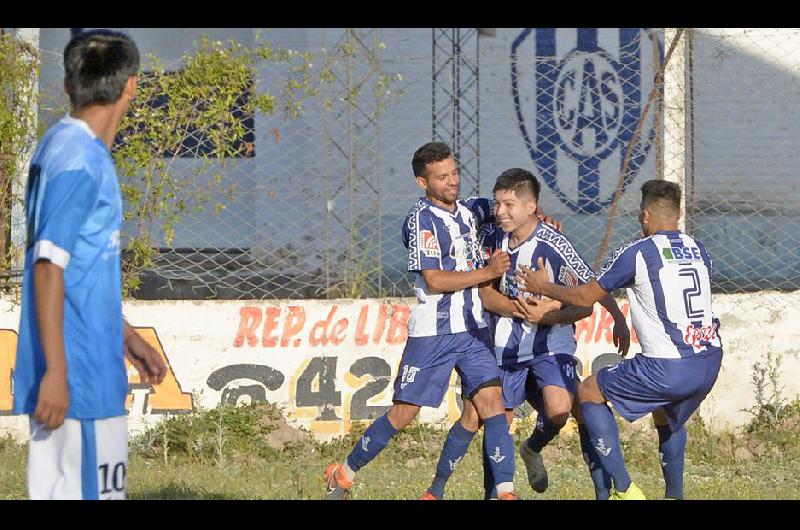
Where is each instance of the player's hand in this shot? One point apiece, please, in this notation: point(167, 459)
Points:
point(622, 337)
point(530, 280)
point(53, 402)
point(145, 359)
point(532, 309)
point(499, 263)
point(551, 221)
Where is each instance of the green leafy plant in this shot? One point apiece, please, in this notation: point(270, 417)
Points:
point(19, 128)
point(194, 112)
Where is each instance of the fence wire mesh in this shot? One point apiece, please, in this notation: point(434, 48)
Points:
point(315, 206)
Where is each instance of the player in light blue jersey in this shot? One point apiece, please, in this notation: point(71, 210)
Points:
point(668, 279)
point(70, 375)
point(446, 330)
point(534, 339)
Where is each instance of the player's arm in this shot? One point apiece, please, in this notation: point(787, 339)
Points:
point(538, 282)
point(48, 289)
point(495, 301)
point(621, 334)
point(548, 312)
point(145, 358)
point(439, 281)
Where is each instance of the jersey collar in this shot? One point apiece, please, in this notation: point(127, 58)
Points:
point(432, 205)
point(80, 123)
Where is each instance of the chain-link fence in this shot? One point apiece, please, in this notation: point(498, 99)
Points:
point(314, 205)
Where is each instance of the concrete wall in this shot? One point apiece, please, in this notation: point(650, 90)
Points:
point(329, 363)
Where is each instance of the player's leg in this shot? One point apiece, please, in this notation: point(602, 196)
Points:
point(422, 380)
point(512, 380)
point(600, 477)
point(693, 379)
point(55, 462)
point(110, 458)
point(481, 379)
point(455, 447)
point(555, 389)
point(671, 452)
point(603, 432)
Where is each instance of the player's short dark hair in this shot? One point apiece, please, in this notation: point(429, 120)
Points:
point(97, 64)
point(662, 191)
point(517, 179)
point(428, 154)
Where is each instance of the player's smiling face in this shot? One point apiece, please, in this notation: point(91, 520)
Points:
point(513, 211)
point(441, 182)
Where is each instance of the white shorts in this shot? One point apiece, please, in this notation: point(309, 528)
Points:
point(82, 459)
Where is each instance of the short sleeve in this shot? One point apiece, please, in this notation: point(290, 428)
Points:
point(60, 211)
point(620, 269)
point(482, 208)
point(419, 234)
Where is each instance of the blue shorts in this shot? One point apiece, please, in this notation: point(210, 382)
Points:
point(428, 362)
point(525, 382)
point(641, 385)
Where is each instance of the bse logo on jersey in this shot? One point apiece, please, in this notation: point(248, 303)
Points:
point(578, 95)
point(429, 245)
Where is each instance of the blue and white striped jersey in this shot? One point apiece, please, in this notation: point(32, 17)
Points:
point(73, 211)
point(442, 240)
point(668, 280)
point(516, 340)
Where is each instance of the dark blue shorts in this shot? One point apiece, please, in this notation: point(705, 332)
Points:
point(428, 362)
point(641, 385)
point(521, 383)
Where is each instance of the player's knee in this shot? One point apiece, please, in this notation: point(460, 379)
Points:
point(488, 400)
point(588, 391)
point(402, 414)
point(470, 419)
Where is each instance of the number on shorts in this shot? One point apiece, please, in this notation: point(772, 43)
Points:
point(117, 478)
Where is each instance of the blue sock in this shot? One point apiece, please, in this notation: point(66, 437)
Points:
point(545, 431)
point(604, 436)
point(455, 447)
point(371, 443)
point(489, 489)
point(600, 479)
point(500, 448)
point(671, 450)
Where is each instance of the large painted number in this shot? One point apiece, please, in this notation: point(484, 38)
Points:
point(326, 397)
point(381, 371)
point(691, 292)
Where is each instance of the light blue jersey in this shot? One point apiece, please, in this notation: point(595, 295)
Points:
point(74, 212)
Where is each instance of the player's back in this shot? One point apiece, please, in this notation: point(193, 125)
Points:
point(669, 279)
point(74, 213)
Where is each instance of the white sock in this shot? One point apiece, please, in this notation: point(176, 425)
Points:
point(349, 474)
point(505, 487)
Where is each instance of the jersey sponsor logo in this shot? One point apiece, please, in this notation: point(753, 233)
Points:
point(567, 277)
point(497, 457)
point(681, 253)
point(695, 335)
point(429, 245)
point(566, 251)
